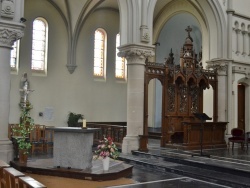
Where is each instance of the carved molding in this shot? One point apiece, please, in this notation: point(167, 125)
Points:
point(71, 68)
point(183, 98)
point(8, 8)
point(171, 98)
point(8, 36)
point(136, 51)
point(145, 37)
point(219, 65)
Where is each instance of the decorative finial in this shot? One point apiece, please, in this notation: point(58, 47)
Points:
point(189, 29)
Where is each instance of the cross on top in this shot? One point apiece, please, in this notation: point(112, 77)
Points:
point(189, 29)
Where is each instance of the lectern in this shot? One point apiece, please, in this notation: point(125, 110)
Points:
point(202, 117)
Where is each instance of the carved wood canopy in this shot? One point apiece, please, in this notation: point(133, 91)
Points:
point(183, 83)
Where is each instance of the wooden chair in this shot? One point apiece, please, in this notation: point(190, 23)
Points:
point(29, 182)
point(11, 133)
point(37, 138)
point(48, 140)
point(10, 178)
point(237, 137)
point(2, 165)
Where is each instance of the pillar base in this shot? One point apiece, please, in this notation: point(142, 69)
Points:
point(130, 143)
point(6, 151)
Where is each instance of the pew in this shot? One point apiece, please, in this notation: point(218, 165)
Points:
point(29, 182)
point(10, 178)
point(2, 165)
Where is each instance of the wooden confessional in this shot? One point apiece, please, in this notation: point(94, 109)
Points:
point(182, 96)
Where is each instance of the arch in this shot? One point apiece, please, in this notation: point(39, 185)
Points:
point(243, 26)
point(120, 62)
point(180, 79)
point(100, 42)
point(157, 78)
point(174, 8)
point(191, 80)
point(39, 45)
point(210, 19)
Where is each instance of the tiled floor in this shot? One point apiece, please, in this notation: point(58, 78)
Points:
point(145, 176)
point(158, 177)
point(181, 182)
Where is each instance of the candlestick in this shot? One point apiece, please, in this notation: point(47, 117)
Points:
point(84, 123)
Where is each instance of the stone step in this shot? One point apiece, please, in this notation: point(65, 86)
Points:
point(229, 166)
point(156, 163)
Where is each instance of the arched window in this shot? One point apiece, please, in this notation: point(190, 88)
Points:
point(39, 46)
point(120, 62)
point(14, 57)
point(100, 53)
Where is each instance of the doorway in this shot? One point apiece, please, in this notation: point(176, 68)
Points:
point(241, 106)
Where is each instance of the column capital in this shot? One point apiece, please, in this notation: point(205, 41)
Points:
point(132, 50)
point(220, 65)
point(10, 32)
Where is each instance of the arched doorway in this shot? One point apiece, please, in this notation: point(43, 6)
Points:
point(154, 104)
point(241, 106)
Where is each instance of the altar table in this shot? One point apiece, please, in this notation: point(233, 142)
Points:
point(73, 147)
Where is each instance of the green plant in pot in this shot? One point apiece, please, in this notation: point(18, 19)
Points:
point(73, 119)
point(23, 131)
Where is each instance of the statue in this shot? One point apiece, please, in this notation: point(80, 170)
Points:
point(24, 90)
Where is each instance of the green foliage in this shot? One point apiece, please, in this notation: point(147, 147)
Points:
point(24, 128)
point(73, 119)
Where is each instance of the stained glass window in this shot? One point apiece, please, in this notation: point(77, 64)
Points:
point(120, 61)
point(39, 45)
point(99, 53)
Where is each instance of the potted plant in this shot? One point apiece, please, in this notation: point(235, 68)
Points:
point(73, 119)
point(105, 150)
point(23, 130)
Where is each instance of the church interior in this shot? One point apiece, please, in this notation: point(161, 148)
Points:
point(165, 81)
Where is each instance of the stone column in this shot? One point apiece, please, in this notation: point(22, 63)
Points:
point(224, 70)
point(9, 32)
point(136, 56)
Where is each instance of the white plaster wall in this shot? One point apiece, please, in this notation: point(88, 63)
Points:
point(241, 6)
point(208, 102)
point(60, 90)
point(151, 103)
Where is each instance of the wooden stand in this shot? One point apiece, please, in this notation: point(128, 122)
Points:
point(202, 117)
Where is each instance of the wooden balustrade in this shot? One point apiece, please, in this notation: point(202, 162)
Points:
point(116, 132)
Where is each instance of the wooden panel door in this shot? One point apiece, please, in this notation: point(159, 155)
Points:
point(241, 106)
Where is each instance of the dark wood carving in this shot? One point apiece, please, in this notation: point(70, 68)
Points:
point(183, 84)
point(213, 135)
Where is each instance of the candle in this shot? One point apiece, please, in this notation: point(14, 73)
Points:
point(84, 123)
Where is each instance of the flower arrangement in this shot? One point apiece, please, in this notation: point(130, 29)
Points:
point(107, 148)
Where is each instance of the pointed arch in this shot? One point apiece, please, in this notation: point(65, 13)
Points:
point(39, 46)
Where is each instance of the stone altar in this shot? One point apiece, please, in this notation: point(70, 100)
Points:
point(73, 147)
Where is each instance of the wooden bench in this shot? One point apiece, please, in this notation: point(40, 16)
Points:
point(2, 165)
point(10, 178)
point(29, 182)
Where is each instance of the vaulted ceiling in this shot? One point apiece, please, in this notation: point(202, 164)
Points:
point(77, 10)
